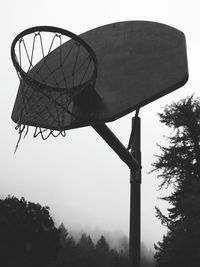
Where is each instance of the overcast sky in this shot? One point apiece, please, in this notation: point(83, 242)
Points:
point(82, 180)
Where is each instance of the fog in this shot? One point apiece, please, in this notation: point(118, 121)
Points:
point(117, 240)
point(83, 181)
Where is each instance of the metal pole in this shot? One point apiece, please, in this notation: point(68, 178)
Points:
point(135, 196)
point(133, 160)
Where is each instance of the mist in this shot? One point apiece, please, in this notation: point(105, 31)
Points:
point(117, 240)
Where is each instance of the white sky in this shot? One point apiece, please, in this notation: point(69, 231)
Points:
point(82, 180)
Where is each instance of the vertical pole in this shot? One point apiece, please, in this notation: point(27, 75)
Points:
point(135, 191)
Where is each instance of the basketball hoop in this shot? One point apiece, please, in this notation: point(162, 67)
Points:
point(49, 92)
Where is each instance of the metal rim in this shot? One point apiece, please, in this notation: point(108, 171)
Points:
point(54, 30)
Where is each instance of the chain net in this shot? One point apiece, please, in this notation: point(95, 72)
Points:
point(53, 70)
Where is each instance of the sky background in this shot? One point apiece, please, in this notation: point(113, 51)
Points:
point(83, 181)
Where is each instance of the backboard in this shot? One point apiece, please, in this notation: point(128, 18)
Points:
point(137, 63)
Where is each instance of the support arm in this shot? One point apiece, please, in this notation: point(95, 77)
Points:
point(103, 130)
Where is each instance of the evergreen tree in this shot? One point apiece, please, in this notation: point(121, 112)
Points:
point(102, 247)
point(63, 234)
point(86, 249)
point(69, 255)
point(102, 252)
point(180, 167)
point(86, 243)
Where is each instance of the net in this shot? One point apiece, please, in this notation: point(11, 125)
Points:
point(55, 67)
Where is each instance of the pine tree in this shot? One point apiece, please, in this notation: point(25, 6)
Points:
point(102, 252)
point(179, 165)
point(86, 243)
point(102, 246)
point(86, 250)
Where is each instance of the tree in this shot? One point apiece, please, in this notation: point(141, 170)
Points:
point(179, 165)
point(102, 246)
point(86, 243)
point(102, 252)
point(86, 251)
point(28, 236)
point(68, 255)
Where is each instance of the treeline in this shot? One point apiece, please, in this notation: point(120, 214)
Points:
point(86, 253)
point(29, 238)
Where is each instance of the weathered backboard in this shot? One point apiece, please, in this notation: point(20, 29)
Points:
point(138, 62)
